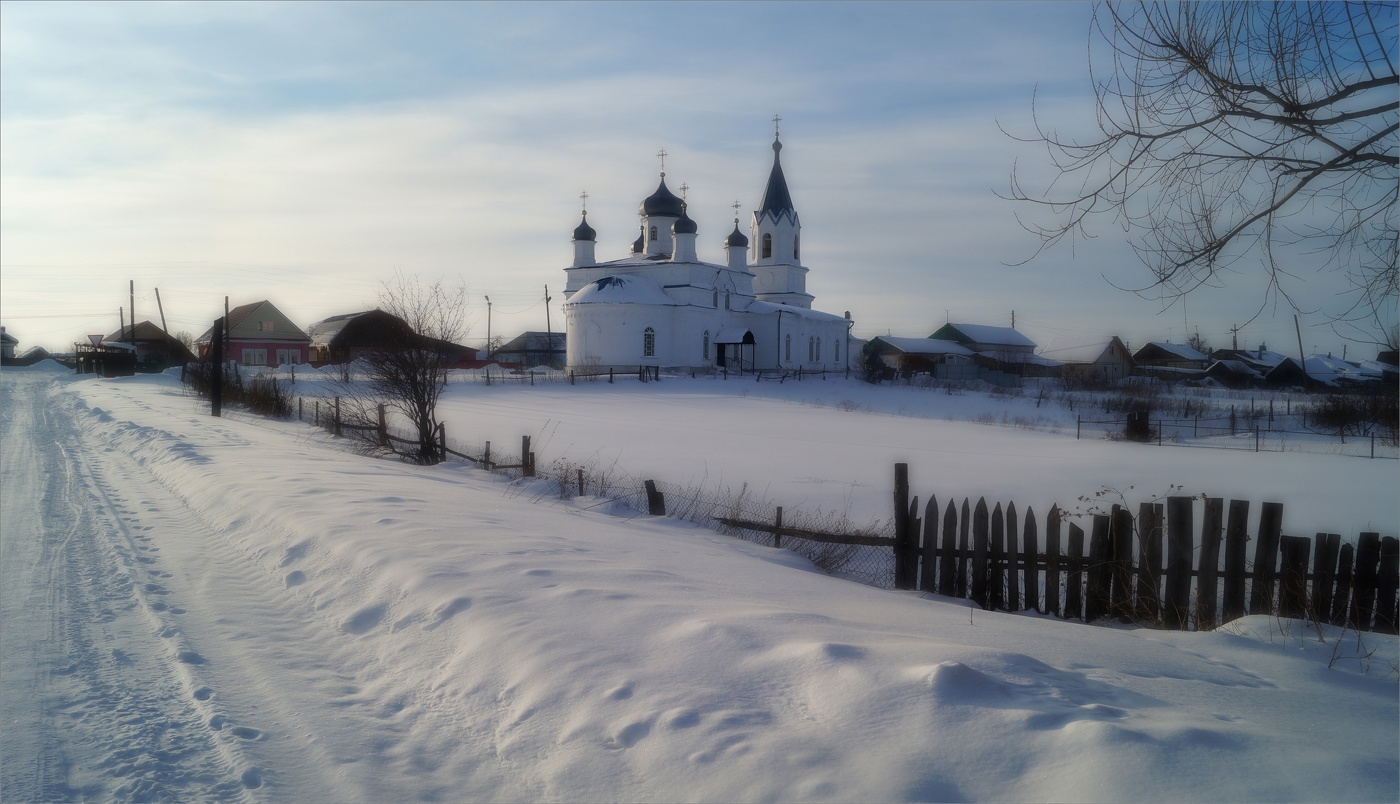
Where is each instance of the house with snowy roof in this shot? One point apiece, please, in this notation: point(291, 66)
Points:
point(662, 305)
point(1000, 349)
point(530, 349)
point(258, 334)
point(1163, 354)
point(151, 344)
point(1098, 359)
point(917, 355)
point(8, 343)
point(347, 337)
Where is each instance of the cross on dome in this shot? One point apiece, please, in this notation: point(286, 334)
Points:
point(583, 196)
point(662, 155)
point(776, 121)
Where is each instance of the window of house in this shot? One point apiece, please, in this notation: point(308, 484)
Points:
point(653, 233)
point(836, 350)
point(768, 245)
point(255, 357)
point(705, 346)
point(819, 348)
point(265, 326)
point(788, 354)
point(288, 357)
point(726, 301)
point(794, 248)
point(811, 344)
point(715, 301)
point(648, 342)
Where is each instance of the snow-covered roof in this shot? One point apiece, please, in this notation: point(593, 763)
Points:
point(1328, 369)
point(1002, 336)
point(732, 335)
point(1077, 350)
point(1181, 350)
point(800, 312)
point(1235, 367)
point(924, 346)
point(622, 290)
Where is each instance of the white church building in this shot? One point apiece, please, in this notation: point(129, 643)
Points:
point(663, 306)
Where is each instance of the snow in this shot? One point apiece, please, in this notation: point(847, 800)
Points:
point(242, 609)
point(925, 346)
point(986, 334)
point(1180, 350)
point(622, 290)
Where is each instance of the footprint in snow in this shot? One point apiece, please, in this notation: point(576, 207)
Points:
point(628, 736)
point(296, 578)
point(364, 619)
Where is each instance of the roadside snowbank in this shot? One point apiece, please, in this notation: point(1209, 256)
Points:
point(454, 641)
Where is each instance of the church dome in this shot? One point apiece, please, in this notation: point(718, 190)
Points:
point(640, 244)
point(584, 231)
point(662, 202)
point(736, 238)
point(684, 225)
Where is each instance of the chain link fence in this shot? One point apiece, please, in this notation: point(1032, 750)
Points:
point(1250, 433)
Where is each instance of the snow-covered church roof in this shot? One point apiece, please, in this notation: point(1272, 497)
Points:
point(621, 290)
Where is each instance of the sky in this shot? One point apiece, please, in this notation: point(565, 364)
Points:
point(304, 153)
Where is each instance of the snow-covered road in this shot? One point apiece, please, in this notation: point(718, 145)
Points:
point(242, 609)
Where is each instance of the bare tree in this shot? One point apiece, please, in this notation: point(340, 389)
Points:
point(1240, 133)
point(410, 372)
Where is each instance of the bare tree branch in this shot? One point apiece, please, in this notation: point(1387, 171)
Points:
point(1230, 129)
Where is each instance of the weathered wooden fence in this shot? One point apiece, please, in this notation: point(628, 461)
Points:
point(1157, 567)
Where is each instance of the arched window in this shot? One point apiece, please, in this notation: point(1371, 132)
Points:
point(811, 345)
point(819, 349)
point(648, 342)
point(836, 349)
point(705, 346)
point(788, 355)
point(767, 245)
point(715, 302)
point(794, 248)
point(653, 233)
point(726, 301)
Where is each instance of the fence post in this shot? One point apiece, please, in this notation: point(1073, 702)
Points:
point(946, 584)
point(1074, 584)
point(1208, 566)
point(1235, 537)
point(980, 527)
point(580, 482)
point(486, 457)
point(1179, 532)
point(929, 557)
point(1373, 445)
point(901, 521)
point(442, 441)
point(1324, 575)
point(337, 417)
point(656, 501)
point(1363, 590)
point(301, 418)
point(778, 529)
point(610, 372)
point(1387, 585)
point(1052, 561)
point(1078, 421)
point(1262, 599)
point(318, 413)
point(1030, 576)
point(1256, 438)
point(526, 470)
point(383, 429)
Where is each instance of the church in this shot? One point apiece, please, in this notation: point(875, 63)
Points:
point(662, 306)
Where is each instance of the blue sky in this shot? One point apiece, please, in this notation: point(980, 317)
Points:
point(303, 152)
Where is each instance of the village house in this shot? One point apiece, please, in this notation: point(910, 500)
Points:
point(1104, 360)
point(153, 345)
point(531, 349)
point(348, 337)
point(258, 334)
point(8, 343)
point(910, 356)
point(1170, 355)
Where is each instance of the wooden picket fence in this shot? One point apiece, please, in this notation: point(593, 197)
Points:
point(999, 560)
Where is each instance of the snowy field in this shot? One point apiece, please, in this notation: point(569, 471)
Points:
point(245, 610)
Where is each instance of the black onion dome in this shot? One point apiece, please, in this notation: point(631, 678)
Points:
point(640, 244)
point(736, 238)
point(684, 225)
point(584, 231)
point(662, 202)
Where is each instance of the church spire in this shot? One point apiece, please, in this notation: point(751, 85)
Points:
point(776, 199)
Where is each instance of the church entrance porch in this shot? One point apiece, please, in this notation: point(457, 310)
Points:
point(730, 352)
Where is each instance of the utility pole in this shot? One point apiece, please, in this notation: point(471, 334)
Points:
point(1235, 337)
point(1301, 357)
point(132, 339)
point(161, 308)
point(488, 327)
point(1013, 319)
point(121, 319)
point(548, 330)
point(216, 363)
